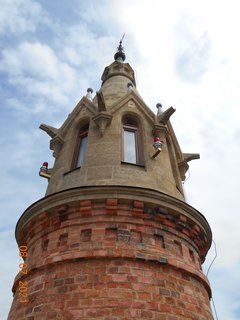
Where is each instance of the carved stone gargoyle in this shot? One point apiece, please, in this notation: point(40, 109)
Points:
point(103, 118)
point(56, 141)
point(165, 115)
point(183, 165)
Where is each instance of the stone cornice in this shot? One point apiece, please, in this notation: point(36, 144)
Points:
point(148, 196)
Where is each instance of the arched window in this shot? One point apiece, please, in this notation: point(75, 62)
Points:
point(81, 146)
point(131, 142)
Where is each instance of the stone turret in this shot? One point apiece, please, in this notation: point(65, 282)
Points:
point(114, 238)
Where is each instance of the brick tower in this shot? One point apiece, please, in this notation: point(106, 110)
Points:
point(113, 238)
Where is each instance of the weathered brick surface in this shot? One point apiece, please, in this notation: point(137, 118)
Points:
point(97, 265)
point(114, 288)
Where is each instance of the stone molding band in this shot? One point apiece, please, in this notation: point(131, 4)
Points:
point(148, 196)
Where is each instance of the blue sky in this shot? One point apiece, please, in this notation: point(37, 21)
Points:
point(185, 54)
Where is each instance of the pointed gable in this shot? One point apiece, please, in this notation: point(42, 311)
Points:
point(132, 102)
point(84, 109)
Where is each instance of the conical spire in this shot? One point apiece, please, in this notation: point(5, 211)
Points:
point(120, 55)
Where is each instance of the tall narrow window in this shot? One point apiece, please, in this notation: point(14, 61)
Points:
point(81, 147)
point(82, 150)
point(131, 152)
point(130, 144)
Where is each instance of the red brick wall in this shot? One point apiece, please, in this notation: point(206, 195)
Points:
point(113, 289)
point(113, 260)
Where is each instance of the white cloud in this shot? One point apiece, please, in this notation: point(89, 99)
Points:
point(71, 55)
point(89, 49)
point(39, 73)
point(227, 301)
point(18, 16)
point(35, 60)
point(193, 60)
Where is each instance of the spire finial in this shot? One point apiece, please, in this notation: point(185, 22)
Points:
point(120, 43)
point(120, 55)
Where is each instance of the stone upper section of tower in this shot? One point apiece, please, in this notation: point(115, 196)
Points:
point(117, 79)
point(108, 140)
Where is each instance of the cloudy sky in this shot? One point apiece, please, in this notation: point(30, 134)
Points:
point(185, 54)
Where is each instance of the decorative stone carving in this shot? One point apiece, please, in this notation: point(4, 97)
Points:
point(83, 110)
point(131, 104)
point(159, 130)
point(56, 145)
point(57, 140)
point(101, 102)
point(51, 131)
point(164, 117)
point(183, 165)
point(191, 156)
point(102, 120)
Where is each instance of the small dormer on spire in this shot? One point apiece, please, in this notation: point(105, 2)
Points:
point(120, 55)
